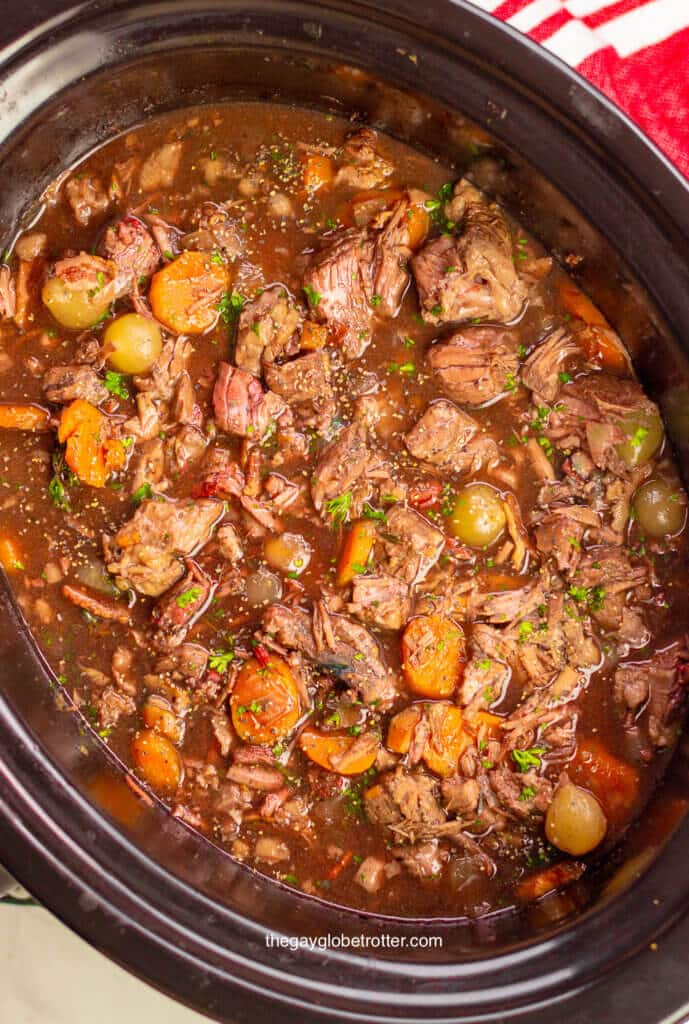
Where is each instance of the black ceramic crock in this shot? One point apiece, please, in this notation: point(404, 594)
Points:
point(138, 884)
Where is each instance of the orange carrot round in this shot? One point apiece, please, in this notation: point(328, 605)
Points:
point(332, 751)
point(356, 551)
point(157, 760)
point(17, 416)
point(186, 293)
point(433, 655)
point(265, 701)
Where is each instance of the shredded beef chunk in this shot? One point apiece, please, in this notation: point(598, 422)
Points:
point(145, 553)
point(241, 405)
point(475, 365)
point(337, 643)
point(470, 274)
point(130, 245)
point(411, 545)
point(542, 369)
point(363, 167)
point(175, 613)
point(381, 601)
point(346, 473)
point(62, 384)
point(87, 197)
point(442, 434)
point(362, 275)
point(267, 330)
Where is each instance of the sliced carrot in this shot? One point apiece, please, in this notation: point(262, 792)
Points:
point(401, 729)
point(313, 336)
point(444, 748)
point(157, 760)
point(484, 723)
point(89, 451)
point(599, 342)
point(158, 715)
point(612, 781)
point(186, 293)
point(356, 551)
point(23, 416)
point(418, 223)
point(445, 744)
point(579, 304)
point(265, 701)
point(339, 867)
point(11, 556)
point(602, 346)
point(555, 877)
point(346, 755)
point(363, 206)
point(317, 172)
point(433, 655)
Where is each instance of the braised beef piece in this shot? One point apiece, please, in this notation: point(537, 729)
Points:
point(305, 383)
point(346, 470)
point(129, 244)
point(63, 384)
point(381, 600)
point(87, 197)
point(472, 273)
point(145, 553)
point(267, 330)
point(654, 692)
point(241, 405)
point(411, 545)
point(441, 434)
point(345, 647)
point(363, 167)
point(175, 612)
point(220, 475)
point(475, 365)
point(541, 371)
point(359, 275)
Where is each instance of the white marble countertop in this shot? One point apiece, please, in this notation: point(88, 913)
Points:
point(48, 975)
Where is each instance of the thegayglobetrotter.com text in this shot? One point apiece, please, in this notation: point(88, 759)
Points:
point(338, 940)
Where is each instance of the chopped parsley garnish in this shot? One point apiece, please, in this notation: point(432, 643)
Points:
point(188, 597)
point(368, 512)
point(593, 597)
point(114, 382)
point(527, 793)
point(230, 306)
point(338, 508)
point(58, 493)
point(376, 300)
point(564, 377)
point(530, 758)
point(220, 660)
point(511, 382)
point(313, 297)
point(141, 493)
point(217, 257)
point(525, 630)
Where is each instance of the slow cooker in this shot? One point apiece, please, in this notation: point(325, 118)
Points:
point(135, 882)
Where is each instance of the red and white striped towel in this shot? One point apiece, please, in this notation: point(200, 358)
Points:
point(635, 51)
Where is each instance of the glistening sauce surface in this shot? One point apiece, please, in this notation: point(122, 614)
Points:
point(338, 511)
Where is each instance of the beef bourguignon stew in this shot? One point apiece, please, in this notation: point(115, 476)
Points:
point(338, 511)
